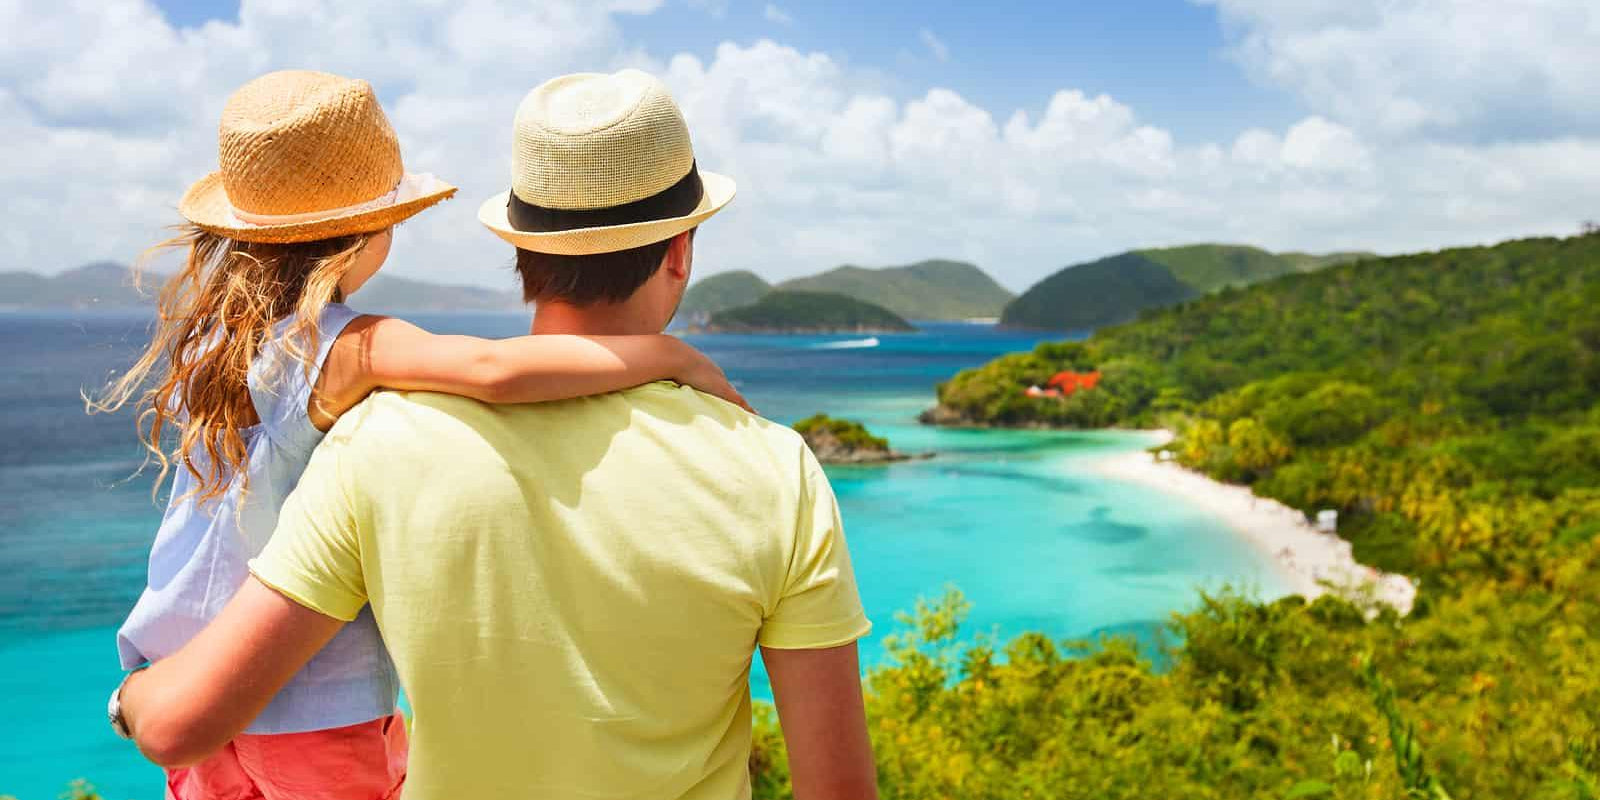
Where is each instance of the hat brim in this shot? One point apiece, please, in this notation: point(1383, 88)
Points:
point(206, 205)
point(719, 190)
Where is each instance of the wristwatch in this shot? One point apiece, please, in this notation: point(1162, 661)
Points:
point(114, 708)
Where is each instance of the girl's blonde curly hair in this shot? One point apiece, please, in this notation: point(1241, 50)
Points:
point(214, 315)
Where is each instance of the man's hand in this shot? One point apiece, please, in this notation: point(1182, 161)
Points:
point(187, 706)
point(818, 693)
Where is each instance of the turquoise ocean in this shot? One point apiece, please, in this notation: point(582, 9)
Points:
point(1012, 518)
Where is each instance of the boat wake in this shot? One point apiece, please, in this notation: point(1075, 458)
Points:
point(848, 344)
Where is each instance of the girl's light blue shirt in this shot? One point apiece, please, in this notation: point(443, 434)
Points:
point(201, 550)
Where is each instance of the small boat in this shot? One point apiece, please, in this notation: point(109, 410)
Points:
point(848, 344)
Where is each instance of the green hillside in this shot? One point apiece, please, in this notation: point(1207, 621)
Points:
point(722, 291)
point(1209, 267)
point(931, 290)
point(807, 312)
point(1307, 262)
point(1099, 293)
point(1447, 405)
point(1117, 288)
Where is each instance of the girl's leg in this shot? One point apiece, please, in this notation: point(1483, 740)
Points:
point(357, 762)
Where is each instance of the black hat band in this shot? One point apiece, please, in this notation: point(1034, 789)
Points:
point(677, 200)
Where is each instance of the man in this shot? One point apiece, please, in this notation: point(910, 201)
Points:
point(572, 592)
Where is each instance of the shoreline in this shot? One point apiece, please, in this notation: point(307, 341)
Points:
point(1313, 563)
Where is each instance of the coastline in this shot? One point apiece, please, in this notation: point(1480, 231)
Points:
point(1312, 562)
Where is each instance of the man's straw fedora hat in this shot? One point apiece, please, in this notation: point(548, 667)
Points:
point(601, 163)
point(306, 156)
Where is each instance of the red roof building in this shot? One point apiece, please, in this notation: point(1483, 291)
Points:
point(1068, 382)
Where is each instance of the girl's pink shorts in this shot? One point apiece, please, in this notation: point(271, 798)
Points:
point(358, 762)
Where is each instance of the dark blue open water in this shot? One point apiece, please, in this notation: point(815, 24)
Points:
point(1035, 541)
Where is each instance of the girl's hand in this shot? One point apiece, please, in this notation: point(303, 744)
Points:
point(702, 373)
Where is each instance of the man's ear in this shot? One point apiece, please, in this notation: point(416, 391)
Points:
point(679, 255)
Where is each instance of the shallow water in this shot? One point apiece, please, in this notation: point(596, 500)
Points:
point(1035, 541)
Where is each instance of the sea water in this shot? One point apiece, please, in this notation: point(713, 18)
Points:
point(1014, 519)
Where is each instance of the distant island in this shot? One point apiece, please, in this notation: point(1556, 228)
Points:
point(1079, 297)
point(102, 284)
point(843, 441)
point(807, 312)
point(927, 290)
point(936, 289)
point(721, 292)
point(1104, 292)
point(1116, 289)
point(109, 285)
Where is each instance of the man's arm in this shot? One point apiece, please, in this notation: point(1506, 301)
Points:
point(818, 693)
point(188, 705)
point(305, 584)
point(808, 641)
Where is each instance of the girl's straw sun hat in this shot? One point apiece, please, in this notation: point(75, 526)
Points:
point(306, 156)
point(601, 163)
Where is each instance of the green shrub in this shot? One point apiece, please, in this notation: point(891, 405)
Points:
point(848, 432)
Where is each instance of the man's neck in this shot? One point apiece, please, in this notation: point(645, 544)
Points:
point(597, 320)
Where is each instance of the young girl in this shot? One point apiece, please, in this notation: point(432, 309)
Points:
point(255, 356)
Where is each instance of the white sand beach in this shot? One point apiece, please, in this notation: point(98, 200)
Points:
point(1313, 562)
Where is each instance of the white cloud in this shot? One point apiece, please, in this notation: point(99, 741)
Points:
point(935, 45)
point(774, 14)
point(111, 112)
point(1472, 69)
point(1313, 145)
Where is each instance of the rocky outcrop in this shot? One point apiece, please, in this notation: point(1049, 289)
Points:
point(842, 441)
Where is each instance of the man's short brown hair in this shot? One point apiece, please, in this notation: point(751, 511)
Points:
point(590, 279)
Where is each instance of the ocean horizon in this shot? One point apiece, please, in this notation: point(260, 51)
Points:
point(1014, 519)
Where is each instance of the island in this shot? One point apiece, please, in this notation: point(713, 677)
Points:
point(843, 441)
point(936, 289)
point(807, 312)
point(931, 290)
point(720, 292)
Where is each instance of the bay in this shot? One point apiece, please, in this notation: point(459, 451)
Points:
point(1012, 518)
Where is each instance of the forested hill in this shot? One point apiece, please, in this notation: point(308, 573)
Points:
point(1488, 332)
point(807, 312)
point(1117, 288)
point(722, 291)
point(1447, 405)
point(930, 290)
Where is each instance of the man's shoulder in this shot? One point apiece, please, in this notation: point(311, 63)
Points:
point(709, 415)
point(388, 417)
point(722, 440)
point(661, 432)
point(395, 416)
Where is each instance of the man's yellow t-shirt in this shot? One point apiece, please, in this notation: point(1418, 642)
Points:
point(572, 592)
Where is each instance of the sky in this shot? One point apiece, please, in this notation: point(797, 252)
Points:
point(1020, 136)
